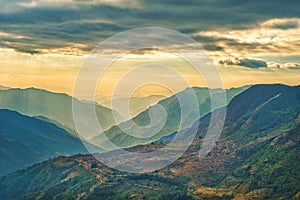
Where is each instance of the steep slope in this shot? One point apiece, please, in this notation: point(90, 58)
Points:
point(25, 140)
point(257, 157)
point(173, 120)
point(270, 107)
point(83, 177)
point(53, 106)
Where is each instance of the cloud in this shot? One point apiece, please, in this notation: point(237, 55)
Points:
point(282, 23)
point(274, 65)
point(291, 66)
point(283, 66)
point(255, 63)
point(271, 37)
point(220, 26)
point(245, 62)
point(12, 6)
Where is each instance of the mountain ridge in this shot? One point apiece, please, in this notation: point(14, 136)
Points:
point(27, 140)
point(173, 111)
point(253, 161)
point(54, 106)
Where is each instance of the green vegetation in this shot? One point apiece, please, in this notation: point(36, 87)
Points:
point(257, 157)
point(51, 106)
point(173, 110)
point(26, 140)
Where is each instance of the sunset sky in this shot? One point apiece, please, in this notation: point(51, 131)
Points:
point(43, 43)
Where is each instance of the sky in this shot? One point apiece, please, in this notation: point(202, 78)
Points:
point(43, 43)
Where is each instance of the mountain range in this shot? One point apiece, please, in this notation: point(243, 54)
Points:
point(256, 157)
point(52, 107)
point(50, 117)
point(173, 108)
point(26, 140)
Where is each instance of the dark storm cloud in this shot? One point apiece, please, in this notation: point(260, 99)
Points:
point(54, 28)
point(216, 43)
point(210, 14)
point(57, 25)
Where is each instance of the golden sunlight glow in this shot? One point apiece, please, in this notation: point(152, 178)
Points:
point(56, 69)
